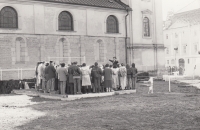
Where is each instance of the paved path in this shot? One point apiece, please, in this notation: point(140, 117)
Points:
point(32, 92)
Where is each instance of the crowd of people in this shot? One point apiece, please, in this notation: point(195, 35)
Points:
point(78, 79)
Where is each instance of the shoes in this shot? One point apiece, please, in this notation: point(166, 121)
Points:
point(64, 96)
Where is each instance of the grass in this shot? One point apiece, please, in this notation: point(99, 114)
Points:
point(138, 111)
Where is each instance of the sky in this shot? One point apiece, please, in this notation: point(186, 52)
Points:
point(174, 5)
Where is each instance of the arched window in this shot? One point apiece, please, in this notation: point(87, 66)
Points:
point(65, 21)
point(112, 24)
point(146, 26)
point(8, 18)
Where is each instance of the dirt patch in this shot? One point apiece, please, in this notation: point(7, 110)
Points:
point(16, 110)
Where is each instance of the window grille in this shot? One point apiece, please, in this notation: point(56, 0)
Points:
point(146, 27)
point(65, 21)
point(112, 24)
point(8, 18)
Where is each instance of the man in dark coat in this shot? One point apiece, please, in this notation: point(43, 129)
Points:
point(114, 61)
point(133, 75)
point(96, 76)
point(51, 75)
point(70, 86)
point(74, 73)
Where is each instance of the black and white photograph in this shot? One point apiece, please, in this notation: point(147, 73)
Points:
point(99, 64)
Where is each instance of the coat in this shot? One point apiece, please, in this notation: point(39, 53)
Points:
point(50, 72)
point(62, 74)
point(85, 76)
point(71, 72)
point(96, 72)
point(107, 72)
point(133, 72)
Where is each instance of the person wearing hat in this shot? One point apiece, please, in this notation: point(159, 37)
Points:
point(114, 61)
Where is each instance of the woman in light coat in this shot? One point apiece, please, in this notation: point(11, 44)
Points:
point(122, 74)
point(115, 78)
point(85, 77)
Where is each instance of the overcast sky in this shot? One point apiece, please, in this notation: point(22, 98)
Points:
point(173, 5)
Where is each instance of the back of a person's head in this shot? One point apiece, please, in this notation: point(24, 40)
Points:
point(96, 64)
point(107, 65)
point(127, 66)
point(84, 64)
point(122, 64)
point(47, 64)
point(63, 65)
point(133, 65)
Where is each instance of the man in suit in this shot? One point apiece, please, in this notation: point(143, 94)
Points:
point(114, 61)
point(62, 73)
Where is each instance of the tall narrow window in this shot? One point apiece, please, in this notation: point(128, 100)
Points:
point(8, 18)
point(65, 21)
point(146, 27)
point(20, 48)
point(112, 24)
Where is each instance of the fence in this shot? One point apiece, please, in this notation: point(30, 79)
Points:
point(15, 74)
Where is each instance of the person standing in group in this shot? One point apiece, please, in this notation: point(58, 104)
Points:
point(70, 85)
point(107, 73)
point(41, 73)
point(85, 78)
point(51, 71)
point(115, 72)
point(129, 77)
point(122, 74)
point(133, 76)
point(37, 77)
point(57, 86)
point(46, 77)
point(77, 78)
point(62, 74)
point(96, 76)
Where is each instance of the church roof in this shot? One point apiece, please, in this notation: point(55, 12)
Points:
point(115, 4)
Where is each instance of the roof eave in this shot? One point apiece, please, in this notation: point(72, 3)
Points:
point(81, 4)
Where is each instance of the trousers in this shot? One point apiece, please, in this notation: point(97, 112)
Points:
point(62, 87)
point(77, 85)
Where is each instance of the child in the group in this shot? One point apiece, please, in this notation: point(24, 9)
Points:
point(150, 84)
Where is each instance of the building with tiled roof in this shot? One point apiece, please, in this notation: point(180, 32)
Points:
point(182, 40)
point(85, 31)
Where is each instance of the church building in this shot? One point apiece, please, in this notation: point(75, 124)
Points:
point(81, 30)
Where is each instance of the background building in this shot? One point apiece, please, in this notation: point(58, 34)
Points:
point(182, 40)
point(146, 47)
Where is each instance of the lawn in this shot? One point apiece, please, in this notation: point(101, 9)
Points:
point(139, 111)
